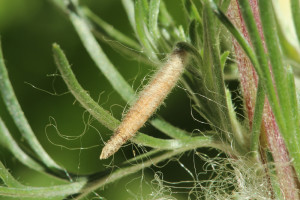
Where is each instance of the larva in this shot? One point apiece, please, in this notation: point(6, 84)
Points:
point(150, 98)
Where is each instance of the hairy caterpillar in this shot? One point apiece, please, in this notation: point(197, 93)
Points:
point(150, 98)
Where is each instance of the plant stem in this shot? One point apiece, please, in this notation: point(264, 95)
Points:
point(263, 62)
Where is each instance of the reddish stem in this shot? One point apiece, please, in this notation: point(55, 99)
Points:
point(249, 80)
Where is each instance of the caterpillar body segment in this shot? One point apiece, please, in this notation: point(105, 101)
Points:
point(150, 98)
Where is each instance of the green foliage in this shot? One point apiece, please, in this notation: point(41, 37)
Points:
point(157, 33)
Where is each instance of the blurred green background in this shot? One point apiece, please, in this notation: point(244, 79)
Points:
point(28, 28)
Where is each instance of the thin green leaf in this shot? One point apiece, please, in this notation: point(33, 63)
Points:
point(60, 5)
point(99, 57)
point(223, 59)
point(224, 6)
point(103, 116)
point(7, 178)
point(168, 144)
point(193, 96)
point(203, 97)
point(161, 44)
point(273, 176)
point(181, 34)
point(129, 8)
point(195, 13)
point(257, 120)
point(238, 36)
point(7, 141)
point(145, 7)
point(214, 73)
point(295, 115)
point(142, 30)
point(278, 71)
point(153, 19)
point(143, 156)
point(123, 50)
point(295, 6)
point(170, 130)
point(165, 18)
point(238, 132)
point(191, 49)
point(186, 143)
point(291, 53)
point(110, 30)
point(42, 192)
point(193, 33)
point(186, 5)
point(19, 118)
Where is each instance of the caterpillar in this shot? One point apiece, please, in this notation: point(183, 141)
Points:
point(150, 98)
